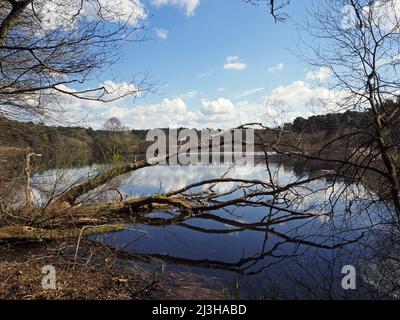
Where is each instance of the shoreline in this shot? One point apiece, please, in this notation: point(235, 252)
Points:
point(97, 274)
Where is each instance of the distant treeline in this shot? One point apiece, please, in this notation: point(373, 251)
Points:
point(77, 144)
point(334, 122)
point(83, 144)
point(329, 123)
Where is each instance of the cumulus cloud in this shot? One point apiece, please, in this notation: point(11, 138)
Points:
point(276, 69)
point(219, 113)
point(223, 113)
point(110, 91)
point(301, 99)
point(217, 107)
point(298, 93)
point(116, 90)
point(283, 104)
point(162, 34)
point(382, 13)
point(233, 63)
point(62, 14)
point(320, 75)
point(188, 5)
point(386, 13)
point(88, 112)
point(167, 113)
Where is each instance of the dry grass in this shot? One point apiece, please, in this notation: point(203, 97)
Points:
point(23, 281)
point(97, 274)
point(9, 151)
point(95, 278)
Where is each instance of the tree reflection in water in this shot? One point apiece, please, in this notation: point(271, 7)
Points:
point(287, 245)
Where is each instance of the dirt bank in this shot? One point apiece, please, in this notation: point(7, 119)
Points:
point(96, 273)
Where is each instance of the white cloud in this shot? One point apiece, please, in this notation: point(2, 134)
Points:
point(320, 75)
point(218, 106)
point(382, 13)
point(189, 95)
point(232, 63)
point(221, 89)
point(276, 69)
point(390, 59)
point(109, 91)
point(220, 113)
point(386, 13)
point(298, 93)
point(283, 104)
point(301, 99)
point(167, 113)
point(162, 34)
point(223, 113)
point(88, 113)
point(118, 10)
point(188, 5)
point(116, 90)
point(63, 14)
point(167, 106)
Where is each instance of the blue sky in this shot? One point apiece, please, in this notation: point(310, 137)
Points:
point(218, 63)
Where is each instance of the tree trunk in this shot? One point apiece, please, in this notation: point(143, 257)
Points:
point(10, 21)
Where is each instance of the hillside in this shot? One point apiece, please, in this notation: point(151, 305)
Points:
point(57, 142)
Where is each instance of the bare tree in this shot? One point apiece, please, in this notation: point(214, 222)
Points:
point(363, 56)
point(357, 43)
point(275, 8)
point(50, 49)
point(113, 124)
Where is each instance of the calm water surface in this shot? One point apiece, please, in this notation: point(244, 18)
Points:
point(290, 262)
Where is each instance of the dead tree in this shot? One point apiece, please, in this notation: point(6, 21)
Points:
point(64, 212)
point(28, 190)
point(275, 8)
point(358, 42)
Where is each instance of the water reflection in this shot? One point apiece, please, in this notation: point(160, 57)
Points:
point(269, 255)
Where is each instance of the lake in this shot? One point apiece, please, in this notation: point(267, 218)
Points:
point(240, 250)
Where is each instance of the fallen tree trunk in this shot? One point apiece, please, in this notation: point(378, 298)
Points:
point(62, 222)
point(71, 195)
point(74, 193)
